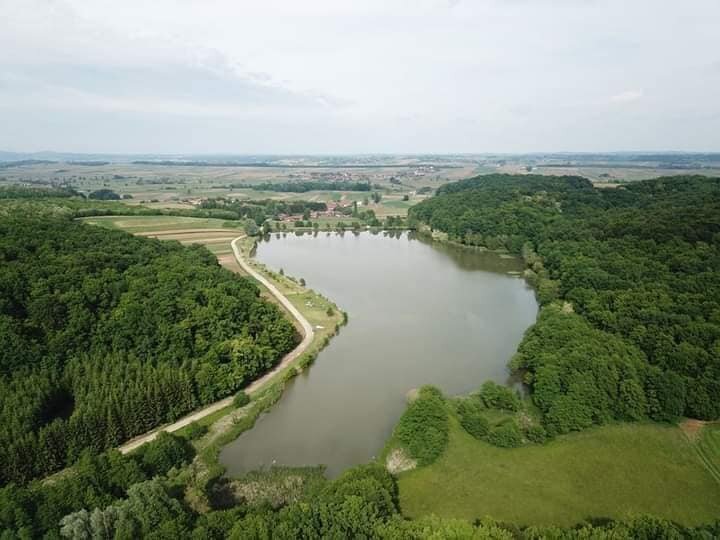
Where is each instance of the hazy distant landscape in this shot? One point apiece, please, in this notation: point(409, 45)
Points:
point(182, 181)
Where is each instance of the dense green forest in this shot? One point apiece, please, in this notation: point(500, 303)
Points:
point(630, 283)
point(104, 195)
point(143, 496)
point(105, 336)
point(21, 192)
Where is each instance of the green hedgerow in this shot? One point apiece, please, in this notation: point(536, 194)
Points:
point(241, 399)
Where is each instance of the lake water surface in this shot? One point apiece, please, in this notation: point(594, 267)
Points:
point(419, 313)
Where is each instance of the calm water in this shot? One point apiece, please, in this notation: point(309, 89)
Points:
point(419, 314)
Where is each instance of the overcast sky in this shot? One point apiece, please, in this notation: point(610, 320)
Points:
point(333, 76)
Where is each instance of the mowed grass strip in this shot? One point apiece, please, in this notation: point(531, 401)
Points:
point(708, 448)
point(137, 224)
point(607, 472)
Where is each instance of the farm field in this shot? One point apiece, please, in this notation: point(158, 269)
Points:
point(141, 224)
point(707, 444)
point(179, 186)
point(607, 472)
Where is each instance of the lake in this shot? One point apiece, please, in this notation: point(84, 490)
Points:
point(419, 313)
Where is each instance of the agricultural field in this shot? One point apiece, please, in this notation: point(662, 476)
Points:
point(707, 444)
point(179, 186)
point(607, 472)
point(146, 224)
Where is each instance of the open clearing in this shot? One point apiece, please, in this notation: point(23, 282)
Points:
point(606, 472)
point(146, 224)
point(708, 448)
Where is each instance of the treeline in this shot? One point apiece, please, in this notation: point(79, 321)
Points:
point(262, 210)
point(139, 496)
point(25, 163)
point(38, 510)
point(21, 192)
point(78, 207)
point(105, 335)
point(630, 283)
point(303, 187)
point(104, 195)
point(105, 203)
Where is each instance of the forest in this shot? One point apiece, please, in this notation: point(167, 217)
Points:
point(629, 283)
point(21, 192)
point(142, 496)
point(105, 336)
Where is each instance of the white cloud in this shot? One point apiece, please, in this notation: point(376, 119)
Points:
point(328, 75)
point(627, 96)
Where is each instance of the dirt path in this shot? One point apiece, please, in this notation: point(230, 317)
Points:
point(167, 232)
point(308, 335)
point(692, 428)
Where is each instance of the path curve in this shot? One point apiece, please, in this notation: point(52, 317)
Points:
point(308, 335)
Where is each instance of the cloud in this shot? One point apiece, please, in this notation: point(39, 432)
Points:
point(627, 96)
point(322, 75)
point(171, 89)
point(61, 57)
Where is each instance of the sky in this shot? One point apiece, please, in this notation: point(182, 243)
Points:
point(367, 76)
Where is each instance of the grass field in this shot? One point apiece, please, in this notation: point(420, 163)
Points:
point(708, 448)
point(139, 224)
point(606, 472)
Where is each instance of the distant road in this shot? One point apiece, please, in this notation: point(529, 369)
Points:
point(308, 335)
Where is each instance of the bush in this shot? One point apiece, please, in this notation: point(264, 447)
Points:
point(164, 453)
point(507, 435)
point(471, 418)
point(241, 399)
point(496, 396)
point(251, 228)
point(423, 428)
point(570, 412)
point(195, 431)
point(536, 434)
point(104, 195)
point(372, 482)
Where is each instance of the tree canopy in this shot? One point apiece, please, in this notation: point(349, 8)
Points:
point(630, 283)
point(105, 336)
